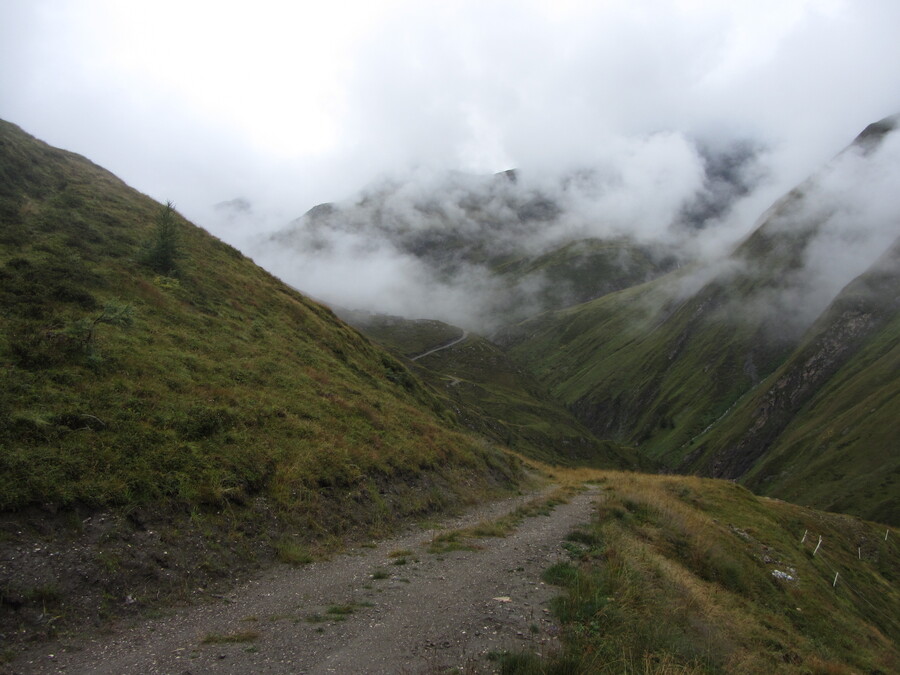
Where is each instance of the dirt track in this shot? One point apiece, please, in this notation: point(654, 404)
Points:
point(436, 611)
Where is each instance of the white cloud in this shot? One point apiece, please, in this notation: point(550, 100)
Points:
point(292, 104)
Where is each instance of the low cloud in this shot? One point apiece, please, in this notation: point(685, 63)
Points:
point(440, 245)
point(467, 249)
point(855, 207)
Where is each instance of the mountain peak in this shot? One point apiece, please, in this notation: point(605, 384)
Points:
point(872, 135)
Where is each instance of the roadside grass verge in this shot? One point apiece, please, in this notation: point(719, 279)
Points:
point(293, 553)
point(677, 575)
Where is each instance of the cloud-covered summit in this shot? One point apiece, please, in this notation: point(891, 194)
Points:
point(487, 249)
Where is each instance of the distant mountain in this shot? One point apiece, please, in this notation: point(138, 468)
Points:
point(481, 251)
point(766, 367)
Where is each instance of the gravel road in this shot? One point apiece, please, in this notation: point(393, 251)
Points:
point(442, 347)
point(359, 612)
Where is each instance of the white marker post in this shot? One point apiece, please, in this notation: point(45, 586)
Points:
point(818, 545)
point(804, 536)
point(834, 583)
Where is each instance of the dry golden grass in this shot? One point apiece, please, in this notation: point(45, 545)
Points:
point(680, 581)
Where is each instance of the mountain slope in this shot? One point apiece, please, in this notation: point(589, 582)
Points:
point(492, 395)
point(799, 433)
point(659, 365)
point(479, 251)
point(644, 368)
point(202, 388)
point(691, 575)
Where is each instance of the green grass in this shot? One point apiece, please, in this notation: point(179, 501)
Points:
point(230, 638)
point(400, 553)
point(226, 385)
point(463, 539)
point(498, 398)
point(681, 580)
point(294, 553)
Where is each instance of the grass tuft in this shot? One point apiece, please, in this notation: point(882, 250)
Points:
point(229, 638)
point(294, 553)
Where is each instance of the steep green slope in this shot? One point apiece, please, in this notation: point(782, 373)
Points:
point(647, 368)
point(493, 396)
point(225, 383)
point(800, 434)
point(208, 399)
point(659, 365)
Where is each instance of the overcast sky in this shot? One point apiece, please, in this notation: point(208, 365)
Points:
point(289, 104)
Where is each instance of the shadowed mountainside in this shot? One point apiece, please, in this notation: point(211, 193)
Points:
point(678, 366)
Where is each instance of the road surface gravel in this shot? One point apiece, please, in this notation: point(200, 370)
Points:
point(359, 612)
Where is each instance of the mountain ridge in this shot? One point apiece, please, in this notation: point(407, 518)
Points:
point(648, 367)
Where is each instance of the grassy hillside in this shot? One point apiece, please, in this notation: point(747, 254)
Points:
point(801, 431)
point(224, 383)
point(150, 383)
point(690, 575)
point(722, 370)
point(493, 396)
point(646, 367)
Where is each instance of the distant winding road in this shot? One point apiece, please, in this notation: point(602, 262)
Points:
point(447, 345)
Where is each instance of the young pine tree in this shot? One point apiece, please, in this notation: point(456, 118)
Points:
point(164, 250)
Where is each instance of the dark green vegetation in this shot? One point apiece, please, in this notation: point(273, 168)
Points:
point(689, 575)
point(495, 397)
point(822, 427)
point(715, 370)
point(150, 369)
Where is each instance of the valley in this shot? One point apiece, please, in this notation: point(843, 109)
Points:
point(199, 458)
